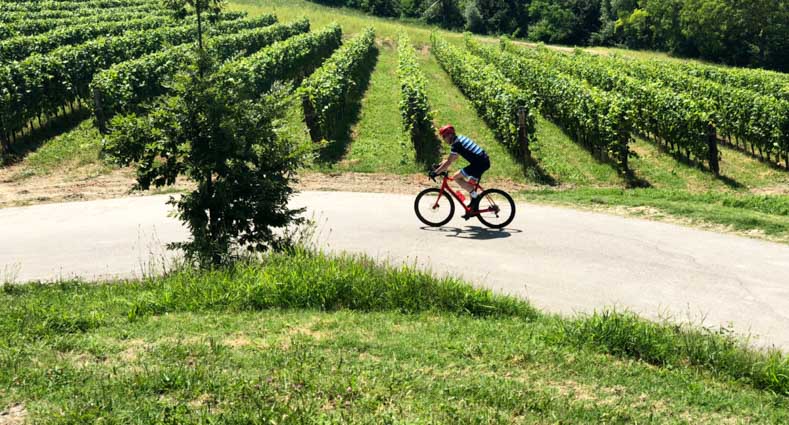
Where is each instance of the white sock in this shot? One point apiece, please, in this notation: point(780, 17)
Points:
point(474, 194)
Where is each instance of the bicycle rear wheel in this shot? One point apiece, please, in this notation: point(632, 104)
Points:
point(434, 207)
point(497, 209)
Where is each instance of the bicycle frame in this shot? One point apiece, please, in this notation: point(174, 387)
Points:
point(446, 189)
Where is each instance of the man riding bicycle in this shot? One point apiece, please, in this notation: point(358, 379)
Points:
point(478, 163)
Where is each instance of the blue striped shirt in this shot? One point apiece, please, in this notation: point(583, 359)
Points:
point(469, 150)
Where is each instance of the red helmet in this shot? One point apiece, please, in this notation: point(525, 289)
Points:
point(447, 129)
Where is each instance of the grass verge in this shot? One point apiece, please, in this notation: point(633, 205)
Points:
point(307, 338)
point(758, 215)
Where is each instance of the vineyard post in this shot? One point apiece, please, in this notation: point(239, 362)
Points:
point(4, 139)
point(523, 137)
point(624, 149)
point(712, 149)
point(311, 119)
point(100, 121)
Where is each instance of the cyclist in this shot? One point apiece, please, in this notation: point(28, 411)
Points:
point(478, 163)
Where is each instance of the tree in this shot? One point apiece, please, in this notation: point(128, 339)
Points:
point(382, 7)
point(704, 23)
point(611, 12)
point(503, 16)
point(201, 7)
point(445, 13)
point(413, 8)
point(474, 22)
point(229, 147)
point(634, 30)
point(565, 21)
point(664, 24)
point(552, 22)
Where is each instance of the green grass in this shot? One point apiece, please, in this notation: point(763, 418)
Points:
point(307, 338)
point(739, 172)
point(379, 142)
point(72, 150)
point(767, 215)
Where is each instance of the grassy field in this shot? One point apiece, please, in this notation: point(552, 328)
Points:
point(307, 338)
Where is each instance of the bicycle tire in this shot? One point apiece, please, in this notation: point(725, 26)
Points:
point(424, 217)
point(485, 197)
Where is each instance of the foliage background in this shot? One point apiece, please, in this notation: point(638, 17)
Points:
point(743, 33)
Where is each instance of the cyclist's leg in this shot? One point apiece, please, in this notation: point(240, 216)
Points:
point(480, 170)
point(460, 178)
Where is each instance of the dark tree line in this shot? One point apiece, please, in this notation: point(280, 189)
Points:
point(735, 32)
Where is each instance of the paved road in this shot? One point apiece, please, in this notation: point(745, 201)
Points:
point(562, 260)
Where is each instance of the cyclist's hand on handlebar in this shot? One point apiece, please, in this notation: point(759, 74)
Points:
point(432, 174)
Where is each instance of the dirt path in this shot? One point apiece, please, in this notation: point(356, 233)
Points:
point(15, 192)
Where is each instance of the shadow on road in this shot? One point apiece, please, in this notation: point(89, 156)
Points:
point(473, 232)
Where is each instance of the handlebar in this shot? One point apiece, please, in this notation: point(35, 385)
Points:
point(443, 174)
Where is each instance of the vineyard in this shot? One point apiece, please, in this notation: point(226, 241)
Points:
point(115, 57)
point(689, 108)
point(547, 116)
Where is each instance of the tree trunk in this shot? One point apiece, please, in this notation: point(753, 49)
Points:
point(200, 38)
point(213, 225)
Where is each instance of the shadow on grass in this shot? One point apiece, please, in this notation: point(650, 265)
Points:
point(533, 171)
point(728, 181)
point(473, 232)
point(723, 143)
point(632, 181)
point(336, 148)
point(427, 147)
point(684, 160)
point(53, 127)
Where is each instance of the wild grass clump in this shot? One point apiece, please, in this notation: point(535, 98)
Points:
point(296, 280)
point(664, 344)
point(308, 280)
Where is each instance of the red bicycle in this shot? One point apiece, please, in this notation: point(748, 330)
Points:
point(434, 206)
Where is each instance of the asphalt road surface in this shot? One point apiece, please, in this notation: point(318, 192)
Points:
point(562, 260)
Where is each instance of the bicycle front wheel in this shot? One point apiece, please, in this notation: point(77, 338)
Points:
point(496, 208)
point(434, 207)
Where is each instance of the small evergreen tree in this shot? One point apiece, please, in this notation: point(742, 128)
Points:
point(229, 147)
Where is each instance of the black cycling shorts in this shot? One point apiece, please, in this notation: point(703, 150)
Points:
point(476, 169)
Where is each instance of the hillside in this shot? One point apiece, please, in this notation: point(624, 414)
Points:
point(63, 159)
point(256, 324)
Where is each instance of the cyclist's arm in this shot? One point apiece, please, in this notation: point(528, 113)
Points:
point(447, 163)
